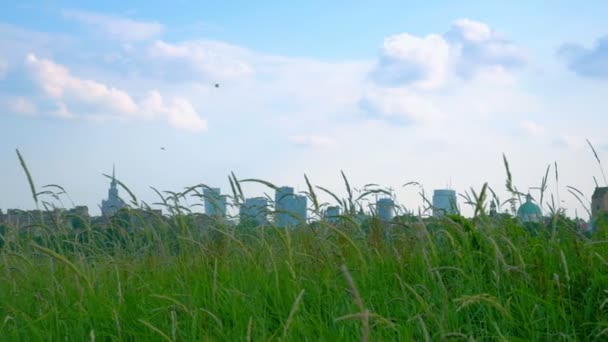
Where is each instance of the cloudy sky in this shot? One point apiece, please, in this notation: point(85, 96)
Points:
point(388, 91)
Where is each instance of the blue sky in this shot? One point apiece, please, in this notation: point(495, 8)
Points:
point(388, 91)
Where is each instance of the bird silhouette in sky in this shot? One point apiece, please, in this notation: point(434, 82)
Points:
point(217, 85)
point(162, 148)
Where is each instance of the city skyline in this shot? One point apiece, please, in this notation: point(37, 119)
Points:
point(292, 209)
point(389, 92)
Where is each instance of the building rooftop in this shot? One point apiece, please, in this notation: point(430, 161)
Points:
point(600, 191)
point(529, 211)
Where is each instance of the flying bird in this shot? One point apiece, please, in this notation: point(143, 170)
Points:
point(162, 148)
point(217, 85)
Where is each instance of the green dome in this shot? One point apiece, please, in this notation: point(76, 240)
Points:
point(529, 212)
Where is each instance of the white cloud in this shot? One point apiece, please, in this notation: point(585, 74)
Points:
point(469, 48)
point(21, 105)
point(475, 47)
point(587, 62)
point(406, 59)
point(213, 61)
point(312, 141)
point(179, 113)
point(115, 27)
point(532, 128)
point(416, 79)
point(471, 30)
point(73, 95)
point(399, 106)
point(58, 83)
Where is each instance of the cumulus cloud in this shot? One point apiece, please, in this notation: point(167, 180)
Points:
point(312, 141)
point(412, 73)
point(179, 112)
point(468, 48)
point(475, 46)
point(115, 27)
point(208, 60)
point(73, 95)
point(406, 59)
point(587, 62)
point(399, 106)
point(532, 128)
point(58, 83)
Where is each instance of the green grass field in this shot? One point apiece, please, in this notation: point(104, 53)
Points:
point(449, 278)
point(453, 279)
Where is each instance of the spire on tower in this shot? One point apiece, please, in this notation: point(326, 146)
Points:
point(113, 184)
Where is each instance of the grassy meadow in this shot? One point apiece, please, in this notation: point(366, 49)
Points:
point(450, 278)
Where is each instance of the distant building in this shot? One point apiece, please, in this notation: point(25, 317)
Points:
point(114, 203)
point(529, 211)
point(215, 203)
point(493, 211)
point(385, 209)
point(444, 202)
point(74, 218)
point(254, 210)
point(140, 219)
point(332, 214)
point(80, 210)
point(583, 225)
point(290, 209)
point(599, 201)
point(360, 216)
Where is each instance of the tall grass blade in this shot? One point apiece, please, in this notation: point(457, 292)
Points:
point(598, 161)
point(253, 180)
point(156, 330)
point(313, 195)
point(28, 175)
point(238, 186)
point(331, 194)
point(351, 206)
point(292, 313)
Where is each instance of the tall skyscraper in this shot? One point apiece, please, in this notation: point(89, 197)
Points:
point(215, 203)
point(332, 214)
point(254, 210)
point(599, 201)
point(385, 209)
point(291, 209)
point(444, 202)
point(114, 203)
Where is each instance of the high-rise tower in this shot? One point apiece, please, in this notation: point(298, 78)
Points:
point(291, 209)
point(215, 202)
point(444, 202)
point(385, 209)
point(114, 203)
